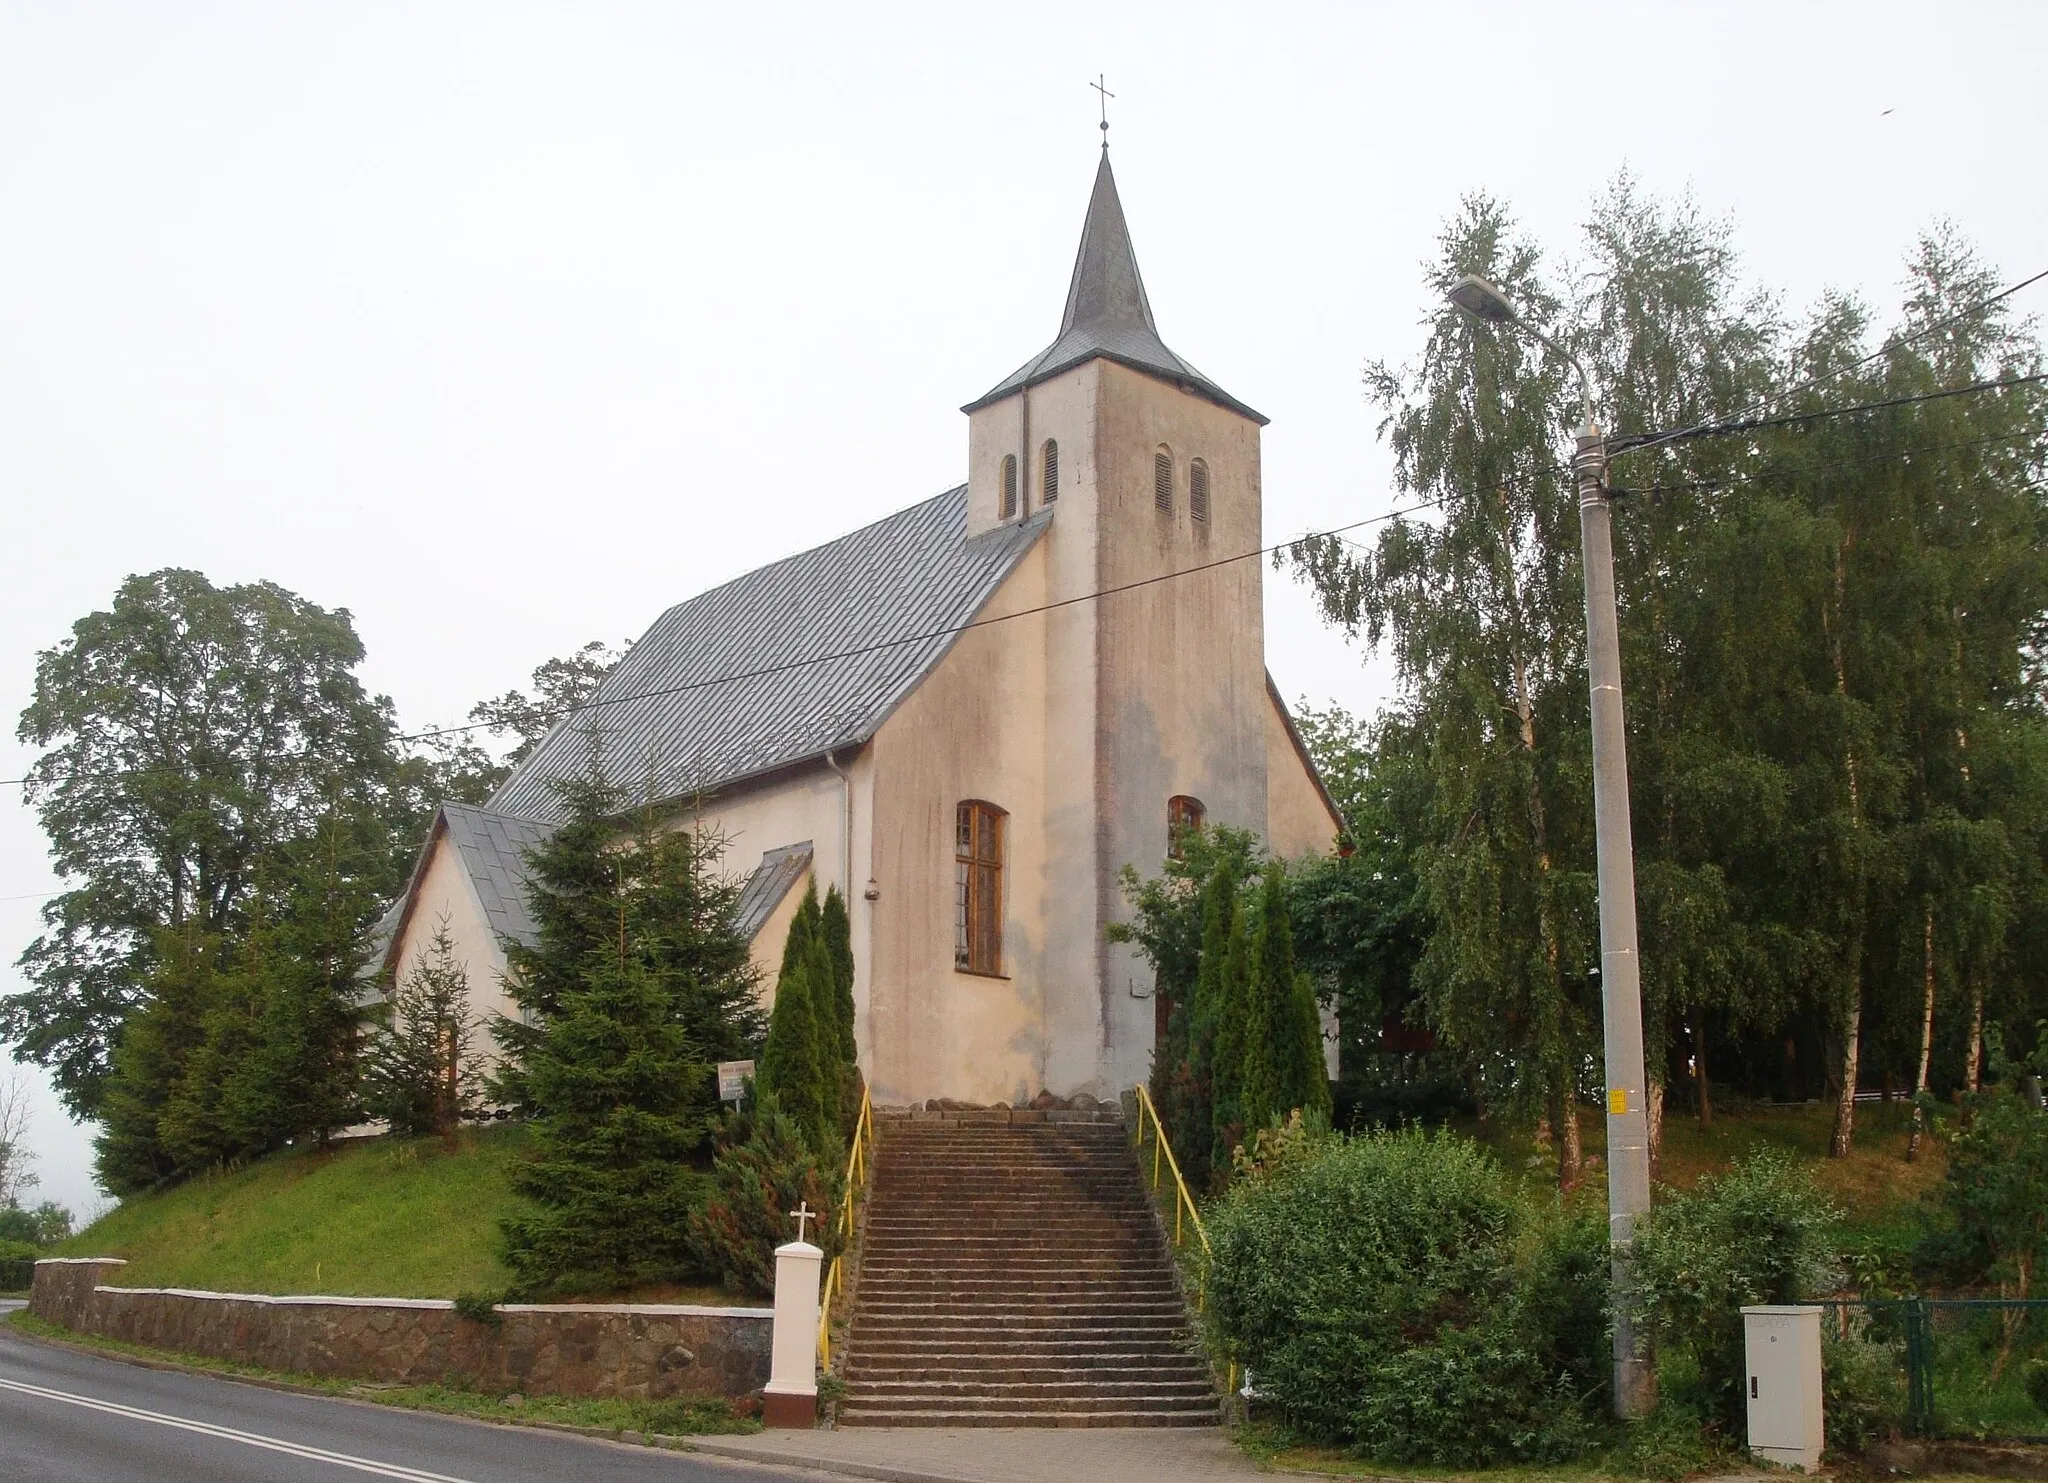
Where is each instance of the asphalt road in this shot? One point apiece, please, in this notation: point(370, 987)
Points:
point(75, 1418)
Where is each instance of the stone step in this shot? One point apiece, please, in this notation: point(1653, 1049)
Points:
point(975, 1369)
point(1103, 1354)
point(984, 1332)
point(850, 1415)
point(1056, 1395)
point(942, 1286)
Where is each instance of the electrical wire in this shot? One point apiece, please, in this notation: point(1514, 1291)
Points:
point(1638, 442)
point(1982, 306)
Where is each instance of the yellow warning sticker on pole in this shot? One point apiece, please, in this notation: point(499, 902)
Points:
point(1617, 1101)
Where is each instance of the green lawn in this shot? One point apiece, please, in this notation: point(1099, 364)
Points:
point(1875, 1186)
point(371, 1218)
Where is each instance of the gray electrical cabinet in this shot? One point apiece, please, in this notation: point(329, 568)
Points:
point(1785, 1422)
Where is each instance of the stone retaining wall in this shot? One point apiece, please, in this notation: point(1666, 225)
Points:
point(644, 1351)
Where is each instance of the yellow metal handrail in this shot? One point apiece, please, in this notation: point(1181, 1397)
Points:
point(859, 1162)
point(1182, 1200)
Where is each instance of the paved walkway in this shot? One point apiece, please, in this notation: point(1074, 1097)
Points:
point(999, 1454)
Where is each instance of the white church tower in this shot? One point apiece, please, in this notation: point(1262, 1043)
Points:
point(1158, 708)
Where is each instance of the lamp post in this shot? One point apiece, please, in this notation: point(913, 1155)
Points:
point(1621, 996)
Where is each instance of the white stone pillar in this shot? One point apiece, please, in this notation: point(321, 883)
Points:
point(791, 1397)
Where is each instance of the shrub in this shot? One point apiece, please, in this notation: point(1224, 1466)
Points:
point(765, 1167)
point(1392, 1292)
point(1761, 1233)
point(19, 1251)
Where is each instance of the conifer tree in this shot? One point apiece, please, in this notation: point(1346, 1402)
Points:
point(616, 1063)
point(129, 1154)
point(799, 1065)
point(836, 924)
point(1283, 1068)
point(421, 1073)
point(765, 1168)
point(1233, 1029)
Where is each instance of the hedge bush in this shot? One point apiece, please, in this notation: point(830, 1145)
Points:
point(1760, 1233)
point(1393, 1292)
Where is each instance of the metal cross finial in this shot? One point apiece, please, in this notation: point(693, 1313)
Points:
point(802, 1215)
point(1104, 101)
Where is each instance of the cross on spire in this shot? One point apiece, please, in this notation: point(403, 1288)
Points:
point(802, 1215)
point(1104, 102)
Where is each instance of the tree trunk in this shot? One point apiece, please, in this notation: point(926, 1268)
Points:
point(1973, 1054)
point(1835, 620)
point(1571, 1155)
point(1926, 1033)
point(1845, 1097)
point(1653, 1110)
point(1702, 1090)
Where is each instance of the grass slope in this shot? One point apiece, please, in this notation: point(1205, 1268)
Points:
point(370, 1218)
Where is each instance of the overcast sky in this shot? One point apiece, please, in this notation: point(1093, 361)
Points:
point(507, 326)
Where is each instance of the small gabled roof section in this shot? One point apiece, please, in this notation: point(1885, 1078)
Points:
point(1108, 314)
point(790, 662)
point(1308, 760)
point(491, 849)
point(773, 879)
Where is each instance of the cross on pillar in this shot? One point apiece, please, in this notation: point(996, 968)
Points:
point(802, 1215)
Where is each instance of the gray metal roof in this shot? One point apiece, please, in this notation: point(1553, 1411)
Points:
point(771, 881)
point(782, 665)
point(1108, 314)
point(493, 848)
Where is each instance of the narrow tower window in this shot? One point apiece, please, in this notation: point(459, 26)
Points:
point(1162, 479)
point(1009, 486)
point(1198, 490)
point(1184, 816)
point(1052, 471)
point(978, 888)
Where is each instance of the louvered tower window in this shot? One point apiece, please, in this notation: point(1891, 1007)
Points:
point(1162, 479)
point(978, 888)
point(1009, 486)
point(1198, 490)
point(1051, 461)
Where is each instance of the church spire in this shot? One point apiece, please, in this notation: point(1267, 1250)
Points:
point(1107, 313)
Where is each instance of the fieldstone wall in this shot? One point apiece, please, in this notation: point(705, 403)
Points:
point(644, 1351)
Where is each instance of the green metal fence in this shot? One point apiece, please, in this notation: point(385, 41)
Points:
point(1962, 1368)
point(16, 1276)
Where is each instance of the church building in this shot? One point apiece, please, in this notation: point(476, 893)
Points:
point(968, 716)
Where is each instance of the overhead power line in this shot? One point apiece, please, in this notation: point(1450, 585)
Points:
point(1898, 342)
point(1619, 445)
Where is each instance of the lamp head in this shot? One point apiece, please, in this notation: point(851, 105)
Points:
point(1482, 300)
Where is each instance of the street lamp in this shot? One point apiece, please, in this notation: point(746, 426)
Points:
point(1621, 997)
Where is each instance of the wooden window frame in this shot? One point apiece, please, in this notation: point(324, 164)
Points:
point(978, 839)
point(1184, 812)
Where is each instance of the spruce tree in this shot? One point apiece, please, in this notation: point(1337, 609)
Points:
point(160, 1037)
point(421, 1073)
point(837, 926)
point(616, 1062)
point(764, 1169)
point(1227, 1064)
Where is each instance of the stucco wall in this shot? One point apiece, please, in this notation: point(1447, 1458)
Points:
point(1181, 675)
point(643, 1351)
point(445, 893)
point(969, 731)
point(1298, 821)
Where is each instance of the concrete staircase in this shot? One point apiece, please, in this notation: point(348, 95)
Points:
point(1011, 1274)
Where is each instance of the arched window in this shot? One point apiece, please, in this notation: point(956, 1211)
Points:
point(978, 888)
point(1051, 465)
point(1184, 816)
point(1198, 490)
point(1009, 486)
point(1162, 479)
